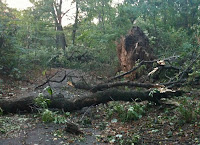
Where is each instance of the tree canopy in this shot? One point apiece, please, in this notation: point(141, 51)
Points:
point(37, 35)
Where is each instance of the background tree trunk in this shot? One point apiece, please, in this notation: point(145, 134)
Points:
point(57, 14)
point(75, 26)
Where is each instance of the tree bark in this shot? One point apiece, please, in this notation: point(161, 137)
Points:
point(101, 87)
point(57, 14)
point(26, 104)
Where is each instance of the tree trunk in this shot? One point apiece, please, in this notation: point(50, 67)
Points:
point(1, 41)
point(26, 104)
point(61, 37)
point(104, 86)
point(57, 14)
point(75, 26)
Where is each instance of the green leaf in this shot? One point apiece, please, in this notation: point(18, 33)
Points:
point(1, 111)
point(49, 90)
point(44, 72)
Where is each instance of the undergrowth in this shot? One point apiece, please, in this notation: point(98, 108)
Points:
point(126, 113)
point(189, 110)
point(47, 115)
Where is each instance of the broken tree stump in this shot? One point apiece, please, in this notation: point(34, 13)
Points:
point(133, 48)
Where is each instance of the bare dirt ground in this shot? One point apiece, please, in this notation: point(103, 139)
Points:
point(30, 130)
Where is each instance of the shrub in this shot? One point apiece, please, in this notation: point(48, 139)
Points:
point(41, 101)
point(48, 116)
point(189, 110)
point(126, 113)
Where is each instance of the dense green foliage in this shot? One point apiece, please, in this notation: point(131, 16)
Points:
point(8, 44)
point(28, 38)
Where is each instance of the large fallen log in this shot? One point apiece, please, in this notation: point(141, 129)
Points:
point(60, 102)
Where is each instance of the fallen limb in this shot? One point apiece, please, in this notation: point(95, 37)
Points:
point(100, 87)
point(178, 80)
point(26, 104)
point(140, 64)
point(128, 72)
point(47, 81)
point(55, 81)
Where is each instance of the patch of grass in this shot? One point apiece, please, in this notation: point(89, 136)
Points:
point(126, 113)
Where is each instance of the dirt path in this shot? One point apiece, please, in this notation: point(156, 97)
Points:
point(10, 88)
point(32, 131)
point(47, 134)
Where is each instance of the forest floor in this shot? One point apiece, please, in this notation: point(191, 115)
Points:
point(100, 124)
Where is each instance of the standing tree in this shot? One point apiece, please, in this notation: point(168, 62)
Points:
point(58, 15)
point(52, 10)
point(75, 26)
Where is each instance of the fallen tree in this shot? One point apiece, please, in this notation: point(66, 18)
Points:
point(60, 102)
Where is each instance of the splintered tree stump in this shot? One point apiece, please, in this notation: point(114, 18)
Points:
point(132, 48)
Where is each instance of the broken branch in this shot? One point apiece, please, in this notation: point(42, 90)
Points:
point(139, 65)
